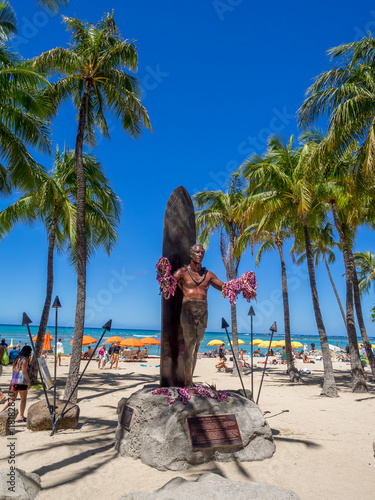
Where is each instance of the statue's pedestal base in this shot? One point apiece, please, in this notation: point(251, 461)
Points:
point(159, 436)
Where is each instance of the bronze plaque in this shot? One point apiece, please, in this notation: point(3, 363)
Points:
point(213, 431)
point(126, 417)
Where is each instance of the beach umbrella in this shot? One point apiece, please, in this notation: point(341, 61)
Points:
point(239, 342)
point(46, 336)
point(296, 345)
point(150, 341)
point(216, 342)
point(113, 339)
point(132, 343)
point(86, 340)
point(257, 341)
point(47, 343)
point(264, 344)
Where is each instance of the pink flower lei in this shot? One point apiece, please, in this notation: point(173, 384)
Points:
point(166, 280)
point(247, 284)
point(185, 393)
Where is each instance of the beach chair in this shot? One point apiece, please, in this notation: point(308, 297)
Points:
point(127, 355)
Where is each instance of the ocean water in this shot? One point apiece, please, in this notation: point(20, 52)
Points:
point(19, 333)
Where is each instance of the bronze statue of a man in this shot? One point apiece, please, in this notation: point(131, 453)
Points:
point(194, 281)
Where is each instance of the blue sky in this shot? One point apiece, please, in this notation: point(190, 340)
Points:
point(218, 78)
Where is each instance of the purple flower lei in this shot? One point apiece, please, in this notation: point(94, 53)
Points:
point(185, 393)
point(247, 284)
point(166, 280)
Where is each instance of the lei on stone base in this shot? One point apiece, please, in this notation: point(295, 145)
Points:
point(166, 280)
point(247, 284)
point(185, 393)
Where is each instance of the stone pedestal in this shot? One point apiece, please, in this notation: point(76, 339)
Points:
point(39, 419)
point(7, 419)
point(159, 435)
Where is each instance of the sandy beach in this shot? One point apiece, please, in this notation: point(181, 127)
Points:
point(324, 447)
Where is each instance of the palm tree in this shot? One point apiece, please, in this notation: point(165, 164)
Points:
point(91, 74)
point(53, 201)
point(8, 22)
point(22, 112)
point(347, 94)
point(273, 239)
point(365, 265)
point(218, 213)
point(322, 248)
point(52, 5)
point(280, 177)
point(343, 185)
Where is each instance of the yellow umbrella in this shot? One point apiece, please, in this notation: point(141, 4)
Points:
point(257, 341)
point(216, 342)
point(296, 344)
point(264, 344)
point(373, 346)
point(239, 341)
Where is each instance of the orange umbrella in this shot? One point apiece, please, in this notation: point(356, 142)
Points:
point(47, 335)
point(150, 341)
point(113, 339)
point(46, 343)
point(132, 343)
point(86, 340)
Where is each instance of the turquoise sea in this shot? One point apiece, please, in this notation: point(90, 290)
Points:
point(19, 333)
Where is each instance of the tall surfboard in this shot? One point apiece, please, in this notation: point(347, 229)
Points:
point(178, 236)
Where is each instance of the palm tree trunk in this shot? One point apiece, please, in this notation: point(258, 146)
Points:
point(233, 309)
point(358, 379)
point(47, 306)
point(329, 384)
point(293, 373)
point(79, 323)
point(334, 289)
point(361, 323)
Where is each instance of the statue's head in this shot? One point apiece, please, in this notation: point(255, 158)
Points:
point(197, 249)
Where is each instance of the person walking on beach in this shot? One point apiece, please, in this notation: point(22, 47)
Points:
point(59, 350)
point(115, 354)
point(2, 348)
point(194, 281)
point(102, 355)
point(20, 382)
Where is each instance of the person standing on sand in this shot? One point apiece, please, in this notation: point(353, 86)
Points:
point(20, 382)
point(115, 354)
point(194, 281)
point(59, 350)
point(102, 355)
point(2, 348)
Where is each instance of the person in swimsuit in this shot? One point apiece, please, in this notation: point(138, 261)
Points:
point(115, 354)
point(20, 382)
point(194, 281)
point(102, 355)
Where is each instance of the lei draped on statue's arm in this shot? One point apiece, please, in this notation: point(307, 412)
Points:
point(247, 284)
point(167, 282)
